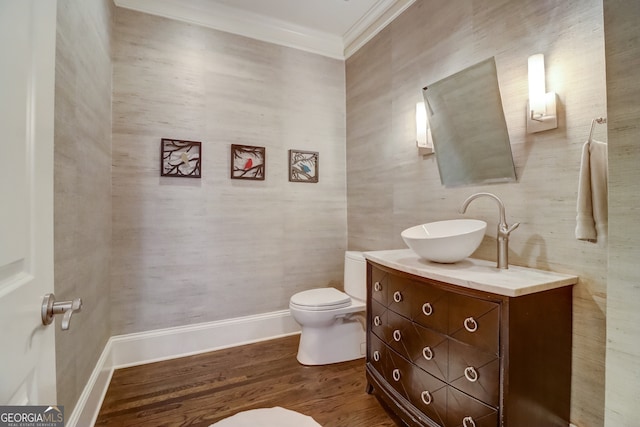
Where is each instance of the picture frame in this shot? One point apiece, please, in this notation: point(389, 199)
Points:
point(248, 162)
point(180, 158)
point(304, 166)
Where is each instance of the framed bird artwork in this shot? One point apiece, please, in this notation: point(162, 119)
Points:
point(303, 166)
point(247, 162)
point(180, 158)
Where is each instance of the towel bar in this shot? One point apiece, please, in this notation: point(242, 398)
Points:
point(598, 120)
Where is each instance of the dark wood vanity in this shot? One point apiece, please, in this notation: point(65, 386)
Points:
point(440, 353)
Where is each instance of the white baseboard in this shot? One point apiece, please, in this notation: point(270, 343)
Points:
point(163, 344)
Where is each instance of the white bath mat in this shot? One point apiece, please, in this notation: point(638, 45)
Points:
point(267, 417)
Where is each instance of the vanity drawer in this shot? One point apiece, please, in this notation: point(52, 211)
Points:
point(399, 295)
point(465, 411)
point(475, 321)
point(429, 350)
point(379, 285)
point(379, 324)
point(430, 307)
point(377, 354)
point(400, 334)
point(398, 373)
point(474, 372)
point(429, 395)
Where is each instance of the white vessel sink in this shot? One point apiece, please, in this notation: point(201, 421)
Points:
point(445, 241)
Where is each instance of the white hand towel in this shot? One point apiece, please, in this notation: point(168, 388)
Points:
point(592, 217)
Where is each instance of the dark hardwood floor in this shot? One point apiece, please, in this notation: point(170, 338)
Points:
point(203, 389)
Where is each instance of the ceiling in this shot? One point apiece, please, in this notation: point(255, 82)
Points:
point(334, 28)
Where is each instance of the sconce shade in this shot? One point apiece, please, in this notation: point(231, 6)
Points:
point(541, 111)
point(537, 89)
point(421, 124)
point(424, 141)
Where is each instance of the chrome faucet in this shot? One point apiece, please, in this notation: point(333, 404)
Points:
point(503, 229)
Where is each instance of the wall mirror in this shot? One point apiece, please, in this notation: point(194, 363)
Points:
point(468, 127)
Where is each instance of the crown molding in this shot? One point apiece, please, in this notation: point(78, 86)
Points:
point(223, 18)
point(381, 15)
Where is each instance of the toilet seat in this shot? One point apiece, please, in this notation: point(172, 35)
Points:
point(320, 299)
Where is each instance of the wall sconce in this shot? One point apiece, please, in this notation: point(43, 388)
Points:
point(541, 109)
point(424, 141)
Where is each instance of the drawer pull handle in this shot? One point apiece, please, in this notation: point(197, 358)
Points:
point(376, 356)
point(427, 353)
point(377, 287)
point(396, 374)
point(471, 374)
point(397, 336)
point(468, 422)
point(376, 321)
point(470, 324)
point(427, 309)
point(426, 397)
point(397, 296)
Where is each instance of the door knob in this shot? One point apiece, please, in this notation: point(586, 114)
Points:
point(50, 308)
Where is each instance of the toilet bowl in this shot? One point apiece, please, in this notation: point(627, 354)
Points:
point(332, 321)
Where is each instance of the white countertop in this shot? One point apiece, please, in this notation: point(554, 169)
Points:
point(474, 273)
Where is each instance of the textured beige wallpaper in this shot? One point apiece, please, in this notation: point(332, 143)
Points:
point(194, 250)
point(82, 174)
point(623, 293)
point(390, 187)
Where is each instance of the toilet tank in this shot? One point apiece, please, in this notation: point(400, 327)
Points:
point(355, 275)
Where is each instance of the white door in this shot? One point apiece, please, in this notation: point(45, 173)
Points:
point(27, 73)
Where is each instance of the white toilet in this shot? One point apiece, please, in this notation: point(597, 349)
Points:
point(333, 322)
